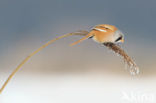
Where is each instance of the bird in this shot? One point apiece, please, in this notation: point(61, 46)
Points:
point(110, 36)
point(104, 33)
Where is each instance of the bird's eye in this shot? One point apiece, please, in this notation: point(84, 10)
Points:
point(118, 39)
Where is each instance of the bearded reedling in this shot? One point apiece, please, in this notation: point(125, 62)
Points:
point(105, 34)
point(109, 36)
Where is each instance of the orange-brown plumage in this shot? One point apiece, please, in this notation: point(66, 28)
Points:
point(101, 33)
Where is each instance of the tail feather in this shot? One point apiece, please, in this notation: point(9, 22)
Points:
point(84, 38)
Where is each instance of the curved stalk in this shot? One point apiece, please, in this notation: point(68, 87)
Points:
point(82, 33)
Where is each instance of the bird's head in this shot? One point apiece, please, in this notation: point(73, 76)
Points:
point(112, 33)
point(118, 37)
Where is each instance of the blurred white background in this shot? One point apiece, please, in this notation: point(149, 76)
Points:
point(87, 72)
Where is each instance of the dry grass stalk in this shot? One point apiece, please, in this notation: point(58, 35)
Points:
point(82, 33)
point(133, 67)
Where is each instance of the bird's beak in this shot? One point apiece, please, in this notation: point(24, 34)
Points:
point(122, 40)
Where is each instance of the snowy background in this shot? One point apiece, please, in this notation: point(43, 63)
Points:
point(85, 73)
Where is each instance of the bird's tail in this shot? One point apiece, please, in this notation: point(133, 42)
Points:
point(84, 38)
